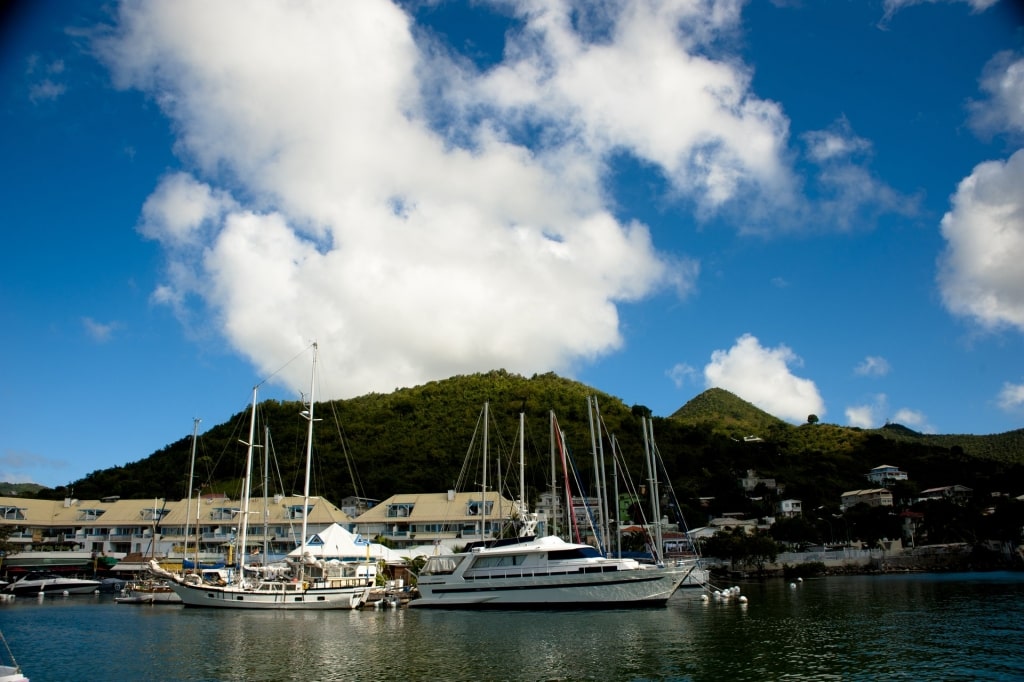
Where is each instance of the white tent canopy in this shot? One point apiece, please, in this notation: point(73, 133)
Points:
point(334, 542)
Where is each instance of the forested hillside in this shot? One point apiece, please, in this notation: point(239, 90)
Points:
point(416, 440)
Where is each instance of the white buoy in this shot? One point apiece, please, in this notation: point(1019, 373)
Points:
point(799, 580)
point(65, 593)
point(743, 600)
point(792, 586)
point(704, 597)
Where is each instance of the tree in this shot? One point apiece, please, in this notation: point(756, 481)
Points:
point(812, 419)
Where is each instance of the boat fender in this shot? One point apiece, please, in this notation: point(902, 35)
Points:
point(305, 586)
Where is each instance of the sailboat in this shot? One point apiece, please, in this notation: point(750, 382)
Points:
point(541, 573)
point(311, 584)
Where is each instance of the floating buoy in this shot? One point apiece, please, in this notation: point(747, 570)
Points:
point(743, 600)
point(65, 593)
point(704, 597)
point(799, 580)
point(792, 586)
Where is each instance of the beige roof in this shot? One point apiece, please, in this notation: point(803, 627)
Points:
point(50, 513)
point(866, 491)
point(434, 507)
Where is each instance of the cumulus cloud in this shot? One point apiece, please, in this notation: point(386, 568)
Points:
point(873, 366)
point(393, 211)
point(980, 275)
point(1011, 398)
point(913, 419)
point(850, 194)
point(762, 376)
point(100, 332)
point(1003, 111)
point(875, 413)
point(349, 177)
point(891, 7)
point(681, 374)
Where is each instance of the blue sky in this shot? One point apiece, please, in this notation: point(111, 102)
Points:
point(818, 206)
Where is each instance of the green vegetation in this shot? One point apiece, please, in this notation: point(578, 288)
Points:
point(416, 439)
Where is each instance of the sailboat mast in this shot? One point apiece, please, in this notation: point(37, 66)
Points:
point(554, 484)
point(266, 492)
point(309, 457)
point(247, 486)
point(652, 484)
point(483, 495)
point(191, 480)
point(598, 475)
point(522, 467)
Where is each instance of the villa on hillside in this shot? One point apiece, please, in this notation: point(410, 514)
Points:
point(886, 473)
point(955, 493)
point(790, 508)
point(874, 497)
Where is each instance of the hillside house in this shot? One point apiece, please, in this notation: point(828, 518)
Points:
point(959, 494)
point(750, 482)
point(873, 497)
point(885, 474)
point(790, 508)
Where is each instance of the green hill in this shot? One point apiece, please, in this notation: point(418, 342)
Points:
point(416, 440)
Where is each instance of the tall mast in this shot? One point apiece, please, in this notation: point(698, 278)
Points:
point(483, 503)
point(191, 480)
point(598, 483)
point(652, 484)
point(522, 467)
point(246, 487)
point(554, 484)
point(266, 491)
point(309, 456)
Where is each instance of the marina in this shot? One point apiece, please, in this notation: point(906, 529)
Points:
point(894, 627)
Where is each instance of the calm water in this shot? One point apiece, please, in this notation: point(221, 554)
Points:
point(908, 627)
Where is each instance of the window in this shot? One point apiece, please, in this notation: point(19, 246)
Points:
point(12, 513)
point(474, 508)
point(296, 511)
point(400, 510)
point(151, 513)
point(223, 513)
point(90, 514)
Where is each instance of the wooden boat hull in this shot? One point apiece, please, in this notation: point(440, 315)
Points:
point(279, 596)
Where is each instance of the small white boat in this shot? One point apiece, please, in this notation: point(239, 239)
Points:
point(543, 573)
point(34, 582)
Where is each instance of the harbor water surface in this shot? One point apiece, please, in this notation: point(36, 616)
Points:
point(890, 627)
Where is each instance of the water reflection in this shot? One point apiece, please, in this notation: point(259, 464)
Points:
point(858, 628)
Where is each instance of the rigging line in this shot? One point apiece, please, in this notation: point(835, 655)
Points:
point(282, 367)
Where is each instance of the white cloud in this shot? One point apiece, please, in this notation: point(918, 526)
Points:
point(890, 7)
point(980, 273)
point(850, 194)
point(1003, 81)
point(45, 90)
point(350, 180)
point(762, 376)
point(99, 331)
point(681, 374)
point(873, 366)
point(913, 419)
point(874, 414)
point(175, 213)
point(325, 204)
point(1011, 398)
